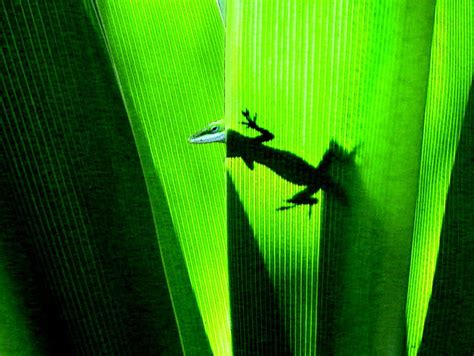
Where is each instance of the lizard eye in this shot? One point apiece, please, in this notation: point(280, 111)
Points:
point(214, 129)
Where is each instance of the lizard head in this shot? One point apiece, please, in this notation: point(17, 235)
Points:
point(214, 132)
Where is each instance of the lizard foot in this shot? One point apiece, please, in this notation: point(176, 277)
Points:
point(297, 202)
point(250, 123)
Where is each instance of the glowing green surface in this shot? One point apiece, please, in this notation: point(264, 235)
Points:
point(169, 63)
point(450, 78)
point(316, 71)
point(352, 72)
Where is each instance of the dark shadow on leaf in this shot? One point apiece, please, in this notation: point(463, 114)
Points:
point(350, 283)
point(257, 326)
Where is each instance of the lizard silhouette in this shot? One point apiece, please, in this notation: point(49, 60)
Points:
point(285, 164)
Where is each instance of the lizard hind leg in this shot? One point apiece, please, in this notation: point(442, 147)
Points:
point(302, 198)
point(305, 196)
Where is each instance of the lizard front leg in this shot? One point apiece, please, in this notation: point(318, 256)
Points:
point(252, 123)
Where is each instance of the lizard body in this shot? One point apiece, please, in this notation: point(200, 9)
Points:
point(287, 165)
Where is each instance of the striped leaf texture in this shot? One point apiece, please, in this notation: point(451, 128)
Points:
point(336, 218)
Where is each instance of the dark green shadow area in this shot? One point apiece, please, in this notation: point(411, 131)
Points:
point(36, 315)
point(349, 279)
point(449, 325)
point(79, 238)
point(257, 327)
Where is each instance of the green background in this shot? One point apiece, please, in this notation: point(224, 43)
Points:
point(119, 237)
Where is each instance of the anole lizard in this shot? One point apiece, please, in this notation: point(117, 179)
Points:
point(286, 164)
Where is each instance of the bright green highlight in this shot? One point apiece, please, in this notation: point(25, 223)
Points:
point(450, 78)
point(168, 57)
point(355, 72)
